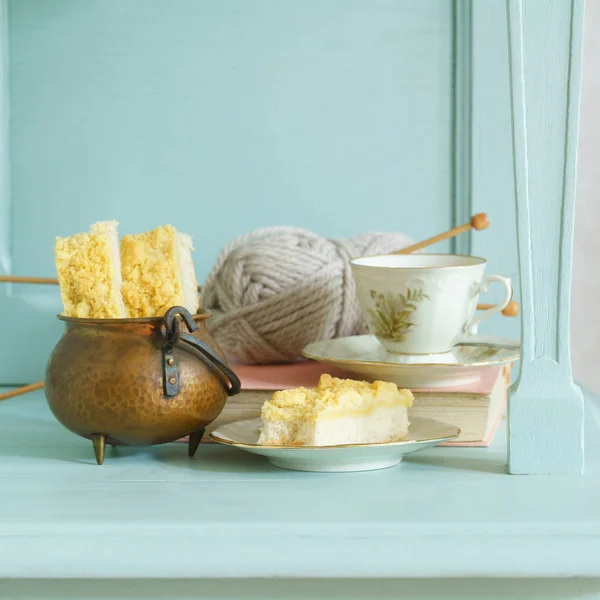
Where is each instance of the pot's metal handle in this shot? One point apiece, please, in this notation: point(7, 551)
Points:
point(174, 335)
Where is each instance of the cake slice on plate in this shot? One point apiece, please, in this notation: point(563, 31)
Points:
point(89, 273)
point(158, 272)
point(336, 412)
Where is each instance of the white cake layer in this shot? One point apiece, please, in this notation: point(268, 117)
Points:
point(109, 229)
point(386, 424)
point(189, 284)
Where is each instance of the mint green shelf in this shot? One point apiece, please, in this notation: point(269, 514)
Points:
point(155, 513)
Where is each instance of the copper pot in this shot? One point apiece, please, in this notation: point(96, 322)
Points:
point(138, 382)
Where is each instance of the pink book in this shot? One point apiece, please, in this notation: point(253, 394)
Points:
point(307, 374)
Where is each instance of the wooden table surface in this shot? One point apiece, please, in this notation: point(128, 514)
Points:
point(146, 513)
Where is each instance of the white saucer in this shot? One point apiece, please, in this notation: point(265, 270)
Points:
point(422, 433)
point(363, 355)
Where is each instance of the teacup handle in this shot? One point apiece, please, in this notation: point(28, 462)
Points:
point(470, 328)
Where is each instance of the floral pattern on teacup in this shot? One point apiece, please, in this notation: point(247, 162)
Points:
point(390, 319)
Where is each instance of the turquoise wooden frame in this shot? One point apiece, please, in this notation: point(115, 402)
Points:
point(546, 409)
point(544, 403)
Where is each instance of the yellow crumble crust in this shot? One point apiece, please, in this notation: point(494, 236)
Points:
point(86, 274)
point(151, 282)
point(333, 395)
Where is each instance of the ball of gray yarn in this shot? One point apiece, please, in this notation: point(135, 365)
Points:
point(275, 290)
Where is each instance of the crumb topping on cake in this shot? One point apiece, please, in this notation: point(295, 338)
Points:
point(150, 269)
point(88, 274)
point(333, 396)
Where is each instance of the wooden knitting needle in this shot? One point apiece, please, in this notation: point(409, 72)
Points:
point(42, 280)
point(38, 385)
point(510, 310)
point(17, 279)
point(477, 222)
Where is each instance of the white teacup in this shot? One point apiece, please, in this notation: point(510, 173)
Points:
point(423, 303)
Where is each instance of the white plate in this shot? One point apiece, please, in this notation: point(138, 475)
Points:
point(365, 356)
point(422, 433)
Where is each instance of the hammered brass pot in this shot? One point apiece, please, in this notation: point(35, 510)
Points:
point(138, 382)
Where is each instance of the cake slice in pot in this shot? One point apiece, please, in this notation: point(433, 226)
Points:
point(89, 273)
point(158, 272)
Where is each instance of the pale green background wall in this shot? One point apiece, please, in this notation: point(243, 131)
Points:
point(226, 116)
point(220, 117)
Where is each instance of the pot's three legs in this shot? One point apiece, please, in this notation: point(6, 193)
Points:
point(99, 441)
point(194, 442)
